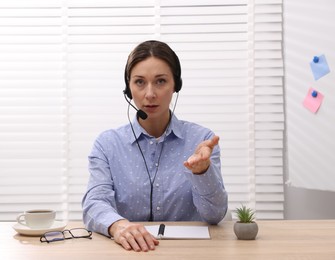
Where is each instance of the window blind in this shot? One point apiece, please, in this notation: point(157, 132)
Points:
point(266, 108)
point(62, 81)
point(32, 118)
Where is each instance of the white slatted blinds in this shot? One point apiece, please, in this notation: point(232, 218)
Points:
point(61, 84)
point(32, 107)
point(266, 108)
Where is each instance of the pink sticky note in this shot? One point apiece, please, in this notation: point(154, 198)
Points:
point(313, 100)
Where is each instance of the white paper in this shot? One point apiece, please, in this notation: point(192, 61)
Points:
point(181, 232)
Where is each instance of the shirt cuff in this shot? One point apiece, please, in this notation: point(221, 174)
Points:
point(204, 184)
point(101, 223)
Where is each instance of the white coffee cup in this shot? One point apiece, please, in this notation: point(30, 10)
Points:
point(37, 218)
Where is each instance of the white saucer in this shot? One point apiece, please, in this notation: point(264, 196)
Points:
point(27, 231)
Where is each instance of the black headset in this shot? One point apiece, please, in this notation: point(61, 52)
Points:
point(177, 80)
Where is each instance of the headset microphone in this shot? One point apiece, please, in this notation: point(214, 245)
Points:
point(140, 113)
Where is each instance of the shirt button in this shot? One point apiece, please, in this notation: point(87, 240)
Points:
point(158, 208)
point(157, 184)
point(151, 142)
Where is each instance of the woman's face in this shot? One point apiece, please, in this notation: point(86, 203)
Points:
point(152, 86)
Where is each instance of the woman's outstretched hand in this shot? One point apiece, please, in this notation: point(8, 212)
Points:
point(199, 162)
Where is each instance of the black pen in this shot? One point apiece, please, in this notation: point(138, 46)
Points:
point(161, 231)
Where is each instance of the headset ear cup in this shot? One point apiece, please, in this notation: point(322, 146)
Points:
point(179, 84)
point(127, 92)
point(126, 81)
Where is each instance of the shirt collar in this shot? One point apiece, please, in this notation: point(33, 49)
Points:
point(175, 127)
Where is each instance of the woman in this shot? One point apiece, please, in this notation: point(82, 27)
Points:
point(157, 168)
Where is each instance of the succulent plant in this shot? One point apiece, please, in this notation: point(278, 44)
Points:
point(245, 215)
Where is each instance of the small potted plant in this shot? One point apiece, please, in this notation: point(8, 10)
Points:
point(245, 228)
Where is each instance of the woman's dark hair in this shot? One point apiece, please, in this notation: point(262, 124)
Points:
point(158, 50)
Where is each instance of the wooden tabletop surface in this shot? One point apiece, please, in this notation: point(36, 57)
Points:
point(291, 239)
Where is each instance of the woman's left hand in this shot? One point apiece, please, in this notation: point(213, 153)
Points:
point(199, 162)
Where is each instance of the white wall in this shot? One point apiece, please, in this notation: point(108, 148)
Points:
point(309, 29)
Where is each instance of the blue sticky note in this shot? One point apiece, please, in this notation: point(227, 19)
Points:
point(319, 66)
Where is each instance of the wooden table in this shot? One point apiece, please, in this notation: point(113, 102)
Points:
point(306, 239)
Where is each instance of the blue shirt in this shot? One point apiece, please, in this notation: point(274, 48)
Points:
point(119, 186)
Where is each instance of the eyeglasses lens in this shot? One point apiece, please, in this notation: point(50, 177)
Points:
point(80, 232)
point(54, 236)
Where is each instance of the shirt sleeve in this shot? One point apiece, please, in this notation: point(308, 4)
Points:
point(209, 194)
point(99, 207)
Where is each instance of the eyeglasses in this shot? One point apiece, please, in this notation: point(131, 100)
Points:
point(54, 236)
